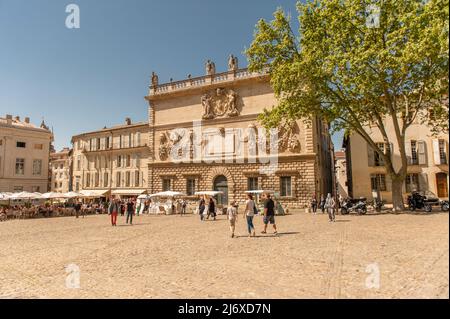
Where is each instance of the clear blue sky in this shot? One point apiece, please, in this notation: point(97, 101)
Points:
point(103, 69)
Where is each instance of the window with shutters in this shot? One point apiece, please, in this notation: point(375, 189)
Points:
point(20, 166)
point(97, 180)
point(414, 157)
point(412, 183)
point(37, 167)
point(105, 179)
point(378, 182)
point(378, 159)
point(128, 163)
point(88, 180)
point(442, 152)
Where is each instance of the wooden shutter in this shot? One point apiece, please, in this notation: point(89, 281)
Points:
point(370, 155)
point(408, 152)
point(422, 152)
point(423, 182)
point(437, 157)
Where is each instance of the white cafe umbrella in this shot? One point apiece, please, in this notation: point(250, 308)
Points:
point(167, 194)
point(22, 195)
point(72, 195)
point(52, 195)
point(143, 196)
point(260, 192)
point(4, 196)
point(209, 193)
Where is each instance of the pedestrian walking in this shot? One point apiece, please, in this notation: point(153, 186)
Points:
point(232, 217)
point(322, 204)
point(269, 214)
point(201, 208)
point(211, 209)
point(130, 211)
point(330, 206)
point(314, 204)
point(183, 207)
point(250, 211)
point(114, 210)
point(77, 209)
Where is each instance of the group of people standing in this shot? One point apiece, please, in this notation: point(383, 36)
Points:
point(250, 212)
point(327, 204)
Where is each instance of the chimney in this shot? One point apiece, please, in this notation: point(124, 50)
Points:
point(128, 121)
point(27, 120)
point(17, 118)
point(9, 119)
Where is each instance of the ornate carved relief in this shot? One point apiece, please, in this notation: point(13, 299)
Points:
point(221, 102)
point(288, 138)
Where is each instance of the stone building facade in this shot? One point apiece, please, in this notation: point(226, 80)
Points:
point(61, 171)
point(24, 155)
point(112, 160)
point(205, 135)
point(427, 163)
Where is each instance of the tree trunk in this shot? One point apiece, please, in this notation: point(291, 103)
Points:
point(397, 193)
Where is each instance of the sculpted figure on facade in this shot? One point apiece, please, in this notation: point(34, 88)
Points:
point(288, 139)
point(232, 63)
point(221, 103)
point(155, 79)
point(210, 68)
point(164, 146)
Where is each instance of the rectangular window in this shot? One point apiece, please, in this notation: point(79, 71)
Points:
point(378, 182)
point(78, 162)
point(190, 186)
point(20, 166)
point(35, 189)
point(412, 183)
point(128, 161)
point(119, 161)
point(127, 179)
point(414, 157)
point(88, 180)
point(37, 167)
point(378, 159)
point(285, 186)
point(137, 179)
point(105, 180)
point(166, 184)
point(118, 179)
point(442, 152)
point(97, 180)
point(21, 144)
point(38, 146)
point(252, 183)
point(18, 189)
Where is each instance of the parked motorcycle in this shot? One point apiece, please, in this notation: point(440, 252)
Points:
point(423, 201)
point(444, 205)
point(378, 205)
point(358, 205)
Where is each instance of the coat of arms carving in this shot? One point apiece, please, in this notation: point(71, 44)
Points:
point(221, 102)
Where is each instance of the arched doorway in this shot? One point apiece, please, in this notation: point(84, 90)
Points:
point(442, 186)
point(221, 185)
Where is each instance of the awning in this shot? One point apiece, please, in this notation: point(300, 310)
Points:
point(130, 192)
point(94, 193)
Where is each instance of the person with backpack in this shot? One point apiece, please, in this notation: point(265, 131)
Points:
point(250, 211)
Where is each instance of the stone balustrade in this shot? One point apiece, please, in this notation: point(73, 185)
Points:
point(204, 81)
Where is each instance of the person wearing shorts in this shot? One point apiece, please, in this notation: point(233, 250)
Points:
point(269, 214)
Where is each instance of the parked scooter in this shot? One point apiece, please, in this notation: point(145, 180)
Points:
point(444, 205)
point(358, 205)
point(419, 201)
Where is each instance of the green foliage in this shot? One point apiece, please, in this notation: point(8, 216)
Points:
point(351, 74)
